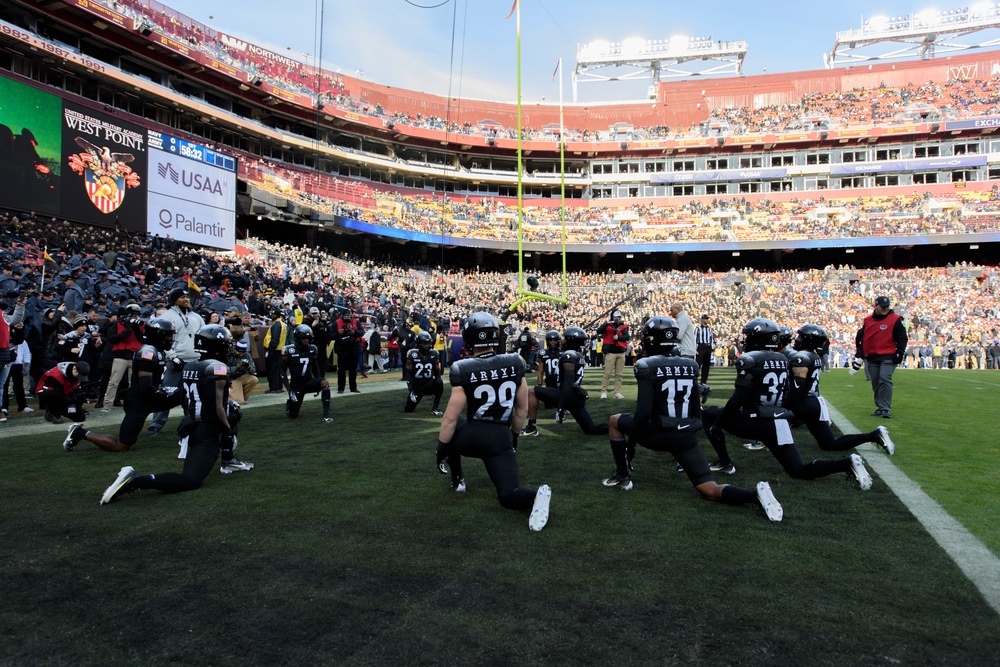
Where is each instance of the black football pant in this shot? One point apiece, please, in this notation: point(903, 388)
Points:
point(683, 446)
point(433, 388)
point(202, 453)
point(493, 443)
point(808, 410)
point(576, 406)
point(762, 429)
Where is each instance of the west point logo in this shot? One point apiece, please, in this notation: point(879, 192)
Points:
point(190, 180)
point(106, 175)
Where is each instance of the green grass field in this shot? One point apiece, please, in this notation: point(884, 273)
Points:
point(344, 546)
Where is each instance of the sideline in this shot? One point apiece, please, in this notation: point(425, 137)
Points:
point(110, 421)
point(975, 560)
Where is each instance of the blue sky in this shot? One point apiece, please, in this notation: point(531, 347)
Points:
point(395, 42)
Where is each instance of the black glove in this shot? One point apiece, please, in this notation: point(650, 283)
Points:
point(440, 456)
point(898, 359)
point(177, 363)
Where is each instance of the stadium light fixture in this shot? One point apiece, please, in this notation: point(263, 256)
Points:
point(926, 34)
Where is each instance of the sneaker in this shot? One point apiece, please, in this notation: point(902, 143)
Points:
point(99, 405)
point(73, 436)
point(877, 413)
point(884, 440)
point(886, 415)
point(754, 446)
point(437, 413)
point(858, 469)
point(355, 391)
point(623, 482)
point(327, 419)
point(604, 394)
point(620, 396)
point(234, 465)
point(152, 431)
point(772, 508)
point(724, 468)
point(460, 487)
point(540, 511)
point(529, 431)
point(105, 411)
point(27, 410)
point(125, 475)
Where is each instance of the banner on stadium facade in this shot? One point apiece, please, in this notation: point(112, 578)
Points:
point(919, 164)
point(719, 175)
point(30, 148)
point(192, 192)
point(105, 159)
point(975, 124)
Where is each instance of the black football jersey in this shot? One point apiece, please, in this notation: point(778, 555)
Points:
point(674, 380)
point(812, 362)
point(198, 383)
point(426, 365)
point(549, 360)
point(574, 358)
point(300, 362)
point(490, 384)
point(765, 373)
point(149, 360)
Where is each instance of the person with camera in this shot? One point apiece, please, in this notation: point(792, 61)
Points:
point(614, 342)
point(347, 347)
point(59, 391)
point(125, 341)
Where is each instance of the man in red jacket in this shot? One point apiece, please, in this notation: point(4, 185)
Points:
point(881, 342)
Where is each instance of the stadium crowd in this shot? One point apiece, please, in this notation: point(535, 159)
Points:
point(92, 274)
point(860, 107)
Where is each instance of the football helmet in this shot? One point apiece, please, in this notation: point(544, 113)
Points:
point(303, 336)
point(481, 331)
point(659, 335)
point(574, 338)
point(159, 332)
point(424, 341)
point(784, 336)
point(811, 337)
point(760, 334)
point(552, 341)
point(213, 342)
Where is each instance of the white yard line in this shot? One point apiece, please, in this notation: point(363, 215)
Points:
point(978, 563)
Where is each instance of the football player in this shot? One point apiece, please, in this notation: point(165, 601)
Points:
point(300, 360)
point(548, 361)
point(756, 410)
point(145, 394)
point(570, 396)
point(805, 367)
point(423, 374)
point(667, 418)
point(491, 389)
point(208, 424)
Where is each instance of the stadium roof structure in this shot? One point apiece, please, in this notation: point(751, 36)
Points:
point(657, 59)
point(922, 35)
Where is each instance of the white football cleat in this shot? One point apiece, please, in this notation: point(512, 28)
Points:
point(885, 441)
point(858, 468)
point(770, 504)
point(540, 511)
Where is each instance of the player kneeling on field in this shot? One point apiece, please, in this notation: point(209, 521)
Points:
point(756, 410)
point(493, 389)
point(570, 396)
point(423, 374)
point(208, 425)
point(145, 393)
point(667, 419)
point(300, 360)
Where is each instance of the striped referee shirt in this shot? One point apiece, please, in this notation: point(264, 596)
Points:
point(703, 336)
